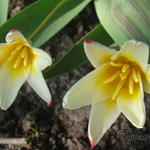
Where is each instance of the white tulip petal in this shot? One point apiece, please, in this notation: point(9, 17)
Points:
point(137, 52)
point(2, 49)
point(42, 59)
point(15, 35)
point(103, 115)
point(10, 85)
point(37, 82)
point(147, 73)
point(146, 80)
point(146, 86)
point(82, 93)
point(132, 106)
point(97, 53)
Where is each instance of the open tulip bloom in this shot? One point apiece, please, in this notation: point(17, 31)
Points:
point(20, 62)
point(116, 85)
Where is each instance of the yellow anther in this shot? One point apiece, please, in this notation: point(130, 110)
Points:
point(25, 60)
point(14, 52)
point(17, 62)
point(118, 88)
point(125, 67)
point(135, 76)
point(115, 64)
point(125, 74)
point(24, 52)
point(138, 75)
point(112, 78)
point(131, 84)
point(19, 47)
point(11, 57)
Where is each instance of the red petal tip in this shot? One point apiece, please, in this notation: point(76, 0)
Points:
point(88, 41)
point(92, 144)
point(49, 105)
point(13, 30)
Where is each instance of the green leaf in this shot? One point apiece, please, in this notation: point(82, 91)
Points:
point(125, 19)
point(76, 56)
point(3, 11)
point(43, 19)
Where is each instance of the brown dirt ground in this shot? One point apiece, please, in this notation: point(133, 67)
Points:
point(55, 128)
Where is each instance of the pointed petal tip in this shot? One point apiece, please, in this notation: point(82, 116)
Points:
point(141, 125)
point(13, 30)
point(49, 104)
point(91, 143)
point(4, 108)
point(88, 41)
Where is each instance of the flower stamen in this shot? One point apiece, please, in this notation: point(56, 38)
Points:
point(20, 56)
point(135, 75)
point(25, 60)
point(115, 64)
point(125, 67)
point(138, 75)
point(124, 75)
point(24, 52)
point(112, 78)
point(131, 84)
point(17, 61)
point(118, 88)
point(14, 52)
point(12, 57)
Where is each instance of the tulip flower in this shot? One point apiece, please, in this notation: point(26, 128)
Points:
point(20, 62)
point(116, 85)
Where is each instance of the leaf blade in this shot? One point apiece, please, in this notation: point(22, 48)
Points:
point(3, 11)
point(125, 20)
point(23, 22)
point(76, 56)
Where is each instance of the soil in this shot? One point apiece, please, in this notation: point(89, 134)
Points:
point(53, 128)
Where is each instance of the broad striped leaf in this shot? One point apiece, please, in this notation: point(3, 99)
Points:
point(125, 19)
point(3, 11)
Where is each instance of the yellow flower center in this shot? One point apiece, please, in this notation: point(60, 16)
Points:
point(126, 74)
point(19, 55)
